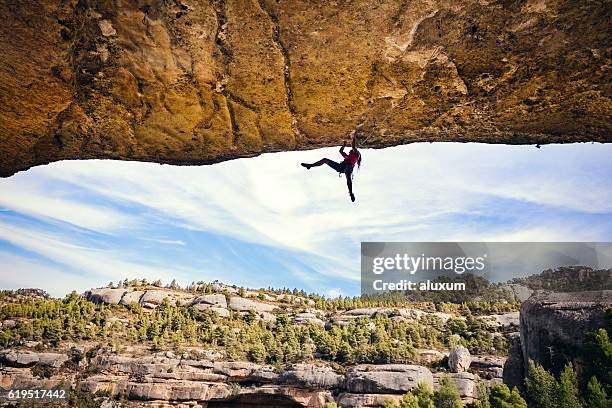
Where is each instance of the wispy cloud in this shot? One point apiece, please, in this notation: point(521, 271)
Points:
point(236, 220)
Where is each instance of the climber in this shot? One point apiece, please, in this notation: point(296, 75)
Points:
point(347, 165)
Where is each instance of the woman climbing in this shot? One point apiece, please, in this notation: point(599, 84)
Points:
point(347, 165)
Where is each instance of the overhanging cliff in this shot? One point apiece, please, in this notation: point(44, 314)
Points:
point(198, 81)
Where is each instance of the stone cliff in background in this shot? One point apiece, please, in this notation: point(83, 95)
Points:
point(553, 328)
point(554, 325)
point(197, 81)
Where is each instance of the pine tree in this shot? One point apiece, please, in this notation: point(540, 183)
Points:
point(448, 395)
point(596, 396)
point(568, 388)
point(542, 388)
point(500, 396)
point(483, 396)
point(424, 395)
point(409, 401)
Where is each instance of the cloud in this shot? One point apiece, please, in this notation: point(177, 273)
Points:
point(48, 200)
point(418, 192)
point(25, 272)
point(99, 264)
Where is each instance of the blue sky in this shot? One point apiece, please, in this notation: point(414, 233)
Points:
point(266, 221)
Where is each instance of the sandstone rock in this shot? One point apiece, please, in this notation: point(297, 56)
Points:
point(311, 376)
point(236, 370)
point(307, 87)
point(503, 320)
point(459, 359)
point(157, 297)
point(553, 325)
point(347, 400)
point(488, 367)
point(388, 378)
point(308, 318)
point(425, 356)
point(8, 324)
point(216, 299)
point(30, 358)
point(220, 311)
point(132, 297)
point(244, 305)
point(105, 295)
point(168, 390)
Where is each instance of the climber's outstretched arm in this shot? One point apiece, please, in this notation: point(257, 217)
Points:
point(342, 150)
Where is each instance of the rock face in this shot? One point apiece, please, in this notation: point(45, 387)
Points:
point(165, 378)
point(244, 305)
point(553, 325)
point(28, 359)
point(197, 81)
point(514, 367)
point(465, 382)
point(391, 378)
point(459, 359)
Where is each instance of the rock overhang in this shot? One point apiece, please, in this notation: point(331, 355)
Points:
point(198, 82)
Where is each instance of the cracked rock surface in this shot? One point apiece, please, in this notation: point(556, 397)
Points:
point(199, 81)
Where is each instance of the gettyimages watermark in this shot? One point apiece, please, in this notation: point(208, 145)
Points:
point(446, 266)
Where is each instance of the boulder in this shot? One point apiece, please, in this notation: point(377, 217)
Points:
point(240, 304)
point(30, 358)
point(105, 295)
point(311, 376)
point(132, 297)
point(553, 325)
point(216, 299)
point(386, 379)
point(459, 359)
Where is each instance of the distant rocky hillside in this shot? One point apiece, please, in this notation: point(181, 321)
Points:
point(569, 279)
point(215, 345)
point(214, 342)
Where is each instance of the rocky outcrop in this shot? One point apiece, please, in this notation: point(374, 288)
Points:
point(517, 292)
point(163, 377)
point(459, 359)
point(514, 367)
point(553, 325)
point(348, 400)
point(240, 304)
point(29, 358)
point(311, 376)
point(198, 81)
point(105, 295)
point(391, 378)
point(465, 382)
point(488, 367)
